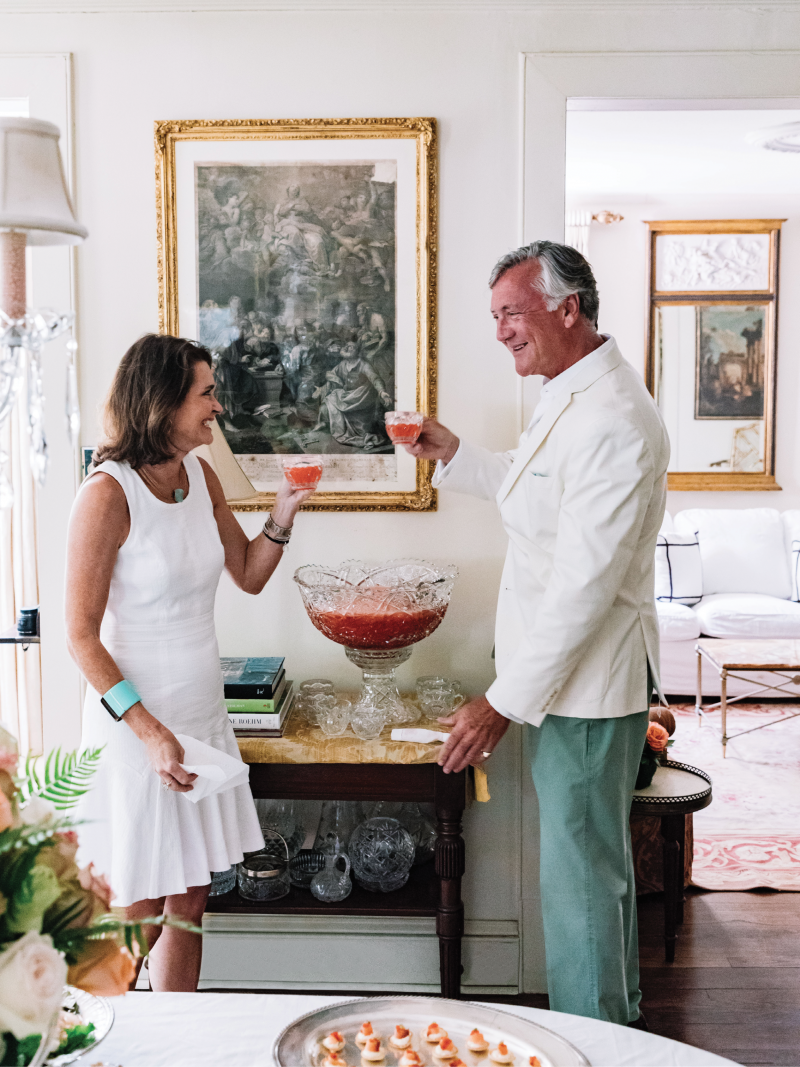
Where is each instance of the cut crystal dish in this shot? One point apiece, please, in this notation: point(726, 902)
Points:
point(377, 610)
point(376, 606)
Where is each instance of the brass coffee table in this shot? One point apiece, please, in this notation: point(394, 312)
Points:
point(728, 657)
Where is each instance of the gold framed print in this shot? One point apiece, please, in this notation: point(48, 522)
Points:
point(712, 351)
point(302, 253)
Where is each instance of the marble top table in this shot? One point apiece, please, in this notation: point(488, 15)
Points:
point(728, 657)
point(238, 1030)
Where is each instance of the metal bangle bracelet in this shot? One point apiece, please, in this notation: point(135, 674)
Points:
point(278, 530)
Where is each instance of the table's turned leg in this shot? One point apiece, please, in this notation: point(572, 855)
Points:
point(672, 829)
point(449, 863)
point(682, 874)
point(723, 707)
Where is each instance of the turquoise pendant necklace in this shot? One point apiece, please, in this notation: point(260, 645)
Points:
point(178, 496)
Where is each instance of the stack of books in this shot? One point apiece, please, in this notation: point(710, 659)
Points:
point(258, 695)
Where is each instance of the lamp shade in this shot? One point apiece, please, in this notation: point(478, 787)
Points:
point(33, 190)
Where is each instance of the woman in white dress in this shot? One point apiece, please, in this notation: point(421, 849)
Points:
point(149, 536)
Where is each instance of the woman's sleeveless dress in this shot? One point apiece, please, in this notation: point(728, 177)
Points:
point(159, 628)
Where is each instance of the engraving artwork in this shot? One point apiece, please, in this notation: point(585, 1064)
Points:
point(296, 297)
point(730, 362)
point(712, 262)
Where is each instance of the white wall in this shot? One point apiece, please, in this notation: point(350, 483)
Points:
point(459, 63)
point(619, 256)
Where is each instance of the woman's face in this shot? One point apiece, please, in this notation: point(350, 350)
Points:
point(193, 420)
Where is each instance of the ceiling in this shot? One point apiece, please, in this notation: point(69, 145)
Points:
point(640, 153)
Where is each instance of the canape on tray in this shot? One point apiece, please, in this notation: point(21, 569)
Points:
point(401, 1038)
point(501, 1054)
point(364, 1034)
point(372, 1050)
point(476, 1042)
point(445, 1050)
point(334, 1042)
point(434, 1034)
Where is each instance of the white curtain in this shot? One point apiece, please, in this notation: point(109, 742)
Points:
point(20, 671)
point(576, 231)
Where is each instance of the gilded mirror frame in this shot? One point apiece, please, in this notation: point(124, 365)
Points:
point(700, 296)
point(423, 132)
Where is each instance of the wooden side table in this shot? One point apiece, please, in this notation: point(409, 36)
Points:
point(676, 790)
point(305, 765)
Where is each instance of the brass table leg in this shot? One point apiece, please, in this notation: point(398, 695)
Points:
point(723, 707)
point(698, 707)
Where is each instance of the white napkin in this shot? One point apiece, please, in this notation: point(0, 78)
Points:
point(216, 771)
point(418, 735)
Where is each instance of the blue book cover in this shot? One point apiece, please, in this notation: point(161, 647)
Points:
point(253, 676)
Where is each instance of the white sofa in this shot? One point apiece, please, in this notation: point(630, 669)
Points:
point(725, 574)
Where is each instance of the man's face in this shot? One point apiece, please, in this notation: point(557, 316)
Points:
point(530, 332)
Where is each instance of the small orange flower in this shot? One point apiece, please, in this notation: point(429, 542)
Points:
point(104, 969)
point(657, 737)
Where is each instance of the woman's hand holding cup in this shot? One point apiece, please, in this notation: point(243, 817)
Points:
point(292, 491)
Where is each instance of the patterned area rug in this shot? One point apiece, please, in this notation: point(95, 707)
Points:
point(749, 836)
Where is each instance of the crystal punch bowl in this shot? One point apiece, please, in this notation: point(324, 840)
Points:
point(377, 606)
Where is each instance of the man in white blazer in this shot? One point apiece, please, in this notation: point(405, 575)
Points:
point(581, 499)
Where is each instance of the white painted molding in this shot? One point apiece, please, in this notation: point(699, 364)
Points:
point(721, 79)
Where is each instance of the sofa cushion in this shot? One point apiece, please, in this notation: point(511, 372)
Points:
point(745, 615)
point(791, 529)
point(743, 551)
point(679, 573)
point(676, 622)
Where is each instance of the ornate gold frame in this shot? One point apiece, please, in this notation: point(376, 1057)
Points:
point(423, 131)
point(724, 481)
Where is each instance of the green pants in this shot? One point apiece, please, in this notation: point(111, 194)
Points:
point(584, 771)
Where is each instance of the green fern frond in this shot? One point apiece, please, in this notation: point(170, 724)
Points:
point(64, 778)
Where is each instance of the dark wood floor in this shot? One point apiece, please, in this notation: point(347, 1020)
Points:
point(734, 987)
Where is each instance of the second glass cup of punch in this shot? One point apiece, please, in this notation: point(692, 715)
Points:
point(403, 427)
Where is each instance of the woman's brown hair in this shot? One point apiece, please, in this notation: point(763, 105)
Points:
point(151, 383)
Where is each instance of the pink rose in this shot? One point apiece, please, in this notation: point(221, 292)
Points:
point(6, 812)
point(97, 884)
point(8, 761)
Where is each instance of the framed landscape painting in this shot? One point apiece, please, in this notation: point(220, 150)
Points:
point(302, 255)
point(712, 349)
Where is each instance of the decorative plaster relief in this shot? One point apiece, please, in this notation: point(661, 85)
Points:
point(697, 262)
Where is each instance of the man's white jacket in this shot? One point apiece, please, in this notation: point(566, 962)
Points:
point(582, 500)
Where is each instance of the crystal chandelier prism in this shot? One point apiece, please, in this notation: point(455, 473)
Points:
point(35, 209)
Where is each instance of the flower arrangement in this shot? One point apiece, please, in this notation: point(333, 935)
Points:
point(657, 741)
point(55, 925)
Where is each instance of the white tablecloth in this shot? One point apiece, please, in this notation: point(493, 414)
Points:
point(238, 1029)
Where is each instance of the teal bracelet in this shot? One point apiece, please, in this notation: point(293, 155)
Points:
point(119, 698)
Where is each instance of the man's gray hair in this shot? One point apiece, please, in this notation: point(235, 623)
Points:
point(564, 272)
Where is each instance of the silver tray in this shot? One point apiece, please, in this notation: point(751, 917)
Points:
point(299, 1044)
point(93, 1009)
